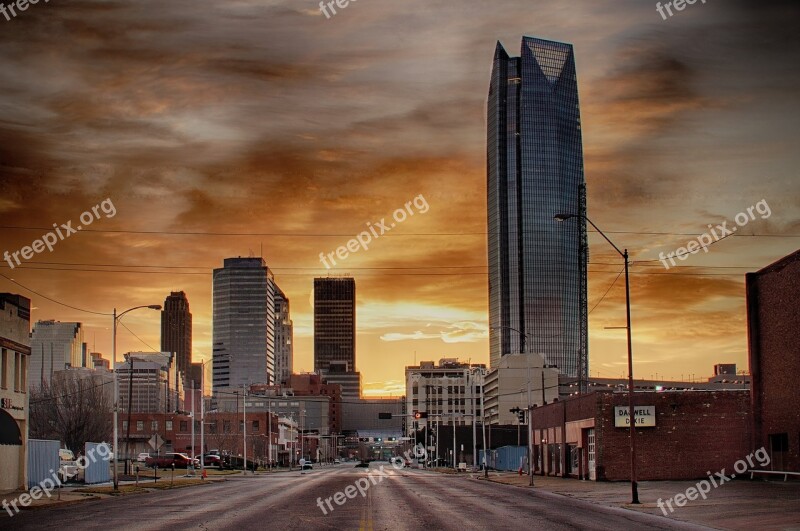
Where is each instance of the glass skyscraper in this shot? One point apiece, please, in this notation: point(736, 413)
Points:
point(244, 324)
point(537, 267)
point(334, 323)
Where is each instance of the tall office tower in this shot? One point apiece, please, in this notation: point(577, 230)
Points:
point(334, 322)
point(176, 332)
point(55, 346)
point(244, 324)
point(537, 267)
point(284, 338)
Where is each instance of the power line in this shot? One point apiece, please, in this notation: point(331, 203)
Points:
point(606, 293)
point(137, 337)
point(51, 299)
point(366, 271)
point(351, 235)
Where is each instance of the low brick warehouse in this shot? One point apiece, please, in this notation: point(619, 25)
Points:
point(695, 432)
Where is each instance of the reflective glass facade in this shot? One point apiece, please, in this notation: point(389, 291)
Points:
point(334, 322)
point(537, 266)
point(244, 323)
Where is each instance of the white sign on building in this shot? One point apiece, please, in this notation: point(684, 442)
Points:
point(645, 416)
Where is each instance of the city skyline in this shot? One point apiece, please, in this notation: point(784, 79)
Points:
point(295, 133)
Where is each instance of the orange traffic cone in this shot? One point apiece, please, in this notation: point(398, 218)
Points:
point(205, 475)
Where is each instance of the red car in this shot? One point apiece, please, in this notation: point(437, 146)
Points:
point(167, 460)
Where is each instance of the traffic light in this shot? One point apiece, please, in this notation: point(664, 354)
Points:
point(521, 416)
point(420, 415)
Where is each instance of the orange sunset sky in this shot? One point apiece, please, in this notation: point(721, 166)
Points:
point(221, 128)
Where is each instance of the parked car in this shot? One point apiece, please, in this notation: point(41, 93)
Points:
point(307, 466)
point(142, 457)
point(167, 460)
point(336, 462)
point(212, 460)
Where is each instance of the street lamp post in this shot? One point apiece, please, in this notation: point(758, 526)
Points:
point(631, 415)
point(116, 383)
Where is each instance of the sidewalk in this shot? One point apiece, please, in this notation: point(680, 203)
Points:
point(739, 504)
point(68, 497)
point(73, 494)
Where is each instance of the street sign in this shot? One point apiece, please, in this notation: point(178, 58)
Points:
point(645, 416)
point(156, 442)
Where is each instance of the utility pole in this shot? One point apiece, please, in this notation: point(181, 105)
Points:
point(130, 401)
point(244, 425)
point(202, 417)
point(269, 431)
point(483, 424)
point(471, 381)
point(193, 420)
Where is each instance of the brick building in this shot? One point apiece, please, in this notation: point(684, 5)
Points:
point(312, 385)
point(693, 432)
point(223, 431)
point(773, 322)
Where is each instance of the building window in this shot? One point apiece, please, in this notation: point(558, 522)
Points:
point(255, 425)
point(226, 426)
point(153, 425)
point(24, 373)
point(212, 427)
point(17, 367)
point(125, 425)
point(139, 425)
point(168, 425)
point(4, 370)
point(184, 426)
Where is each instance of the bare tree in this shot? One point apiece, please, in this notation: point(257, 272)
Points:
point(73, 409)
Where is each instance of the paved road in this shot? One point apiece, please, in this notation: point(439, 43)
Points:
point(396, 500)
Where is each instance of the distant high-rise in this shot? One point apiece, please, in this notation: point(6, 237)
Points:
point(537, 267)
point(244, 323)
point(334, 322)
point(176, 332)
point(284, 338)
point(55, 346)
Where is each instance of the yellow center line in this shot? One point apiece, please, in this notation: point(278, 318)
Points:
point(367, 523)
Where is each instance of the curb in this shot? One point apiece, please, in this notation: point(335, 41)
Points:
point(65, 503)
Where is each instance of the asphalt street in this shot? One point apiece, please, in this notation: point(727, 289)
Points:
point(394, 499)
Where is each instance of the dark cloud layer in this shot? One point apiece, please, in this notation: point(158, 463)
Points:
point(265, 117)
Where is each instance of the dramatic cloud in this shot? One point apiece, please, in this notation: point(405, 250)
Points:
point(226, 128)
